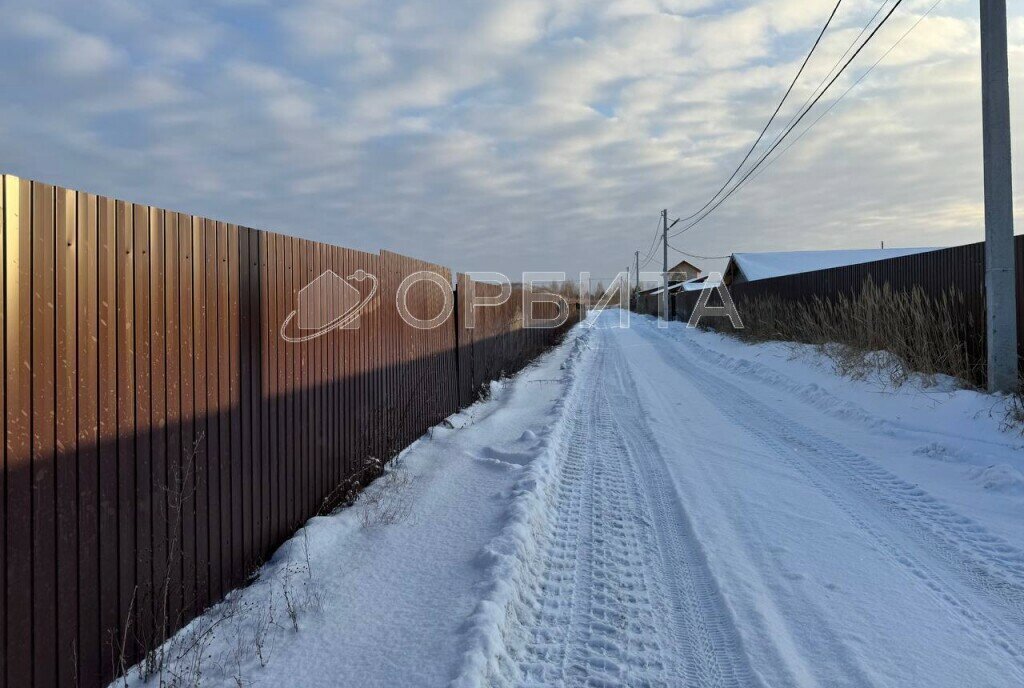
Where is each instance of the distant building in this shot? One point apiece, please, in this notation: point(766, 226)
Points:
point(748, 267)
point(647, 301)
point(683, 272)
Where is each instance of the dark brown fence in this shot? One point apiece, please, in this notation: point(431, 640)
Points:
point(161, 438)
point(936, 273)
point(498, 343)
point(646, 302)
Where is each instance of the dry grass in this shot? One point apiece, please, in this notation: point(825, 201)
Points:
point(245, 628)
point(1014, 418)
point(246, 625)
point(388, 502)
point(179, 493)
point(884, 335)
point(877, 333)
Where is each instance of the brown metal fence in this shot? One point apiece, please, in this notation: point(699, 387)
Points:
point(936, 273)
point(161, 438)
point(646, 302)
point(498, 343)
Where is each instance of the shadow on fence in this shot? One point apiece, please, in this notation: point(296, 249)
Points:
point(133, 550)
point(161, 439)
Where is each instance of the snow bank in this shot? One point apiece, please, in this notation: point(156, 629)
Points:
point(512, 556)
point(999, 478)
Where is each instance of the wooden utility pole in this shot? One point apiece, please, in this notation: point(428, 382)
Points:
point(1000, 288)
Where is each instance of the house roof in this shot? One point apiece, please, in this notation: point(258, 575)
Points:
point(694, 284)
point(682, 266)
point(698, 284)
point(758, 266)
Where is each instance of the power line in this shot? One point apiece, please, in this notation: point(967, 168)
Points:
point(834, 103)
point(648, 261)
point(775, 114)
point(790, 129)
point(833, 69)
point(694, 255)
point(654, 242)
point(652, 251)
point(847, 91)
point(840, 98)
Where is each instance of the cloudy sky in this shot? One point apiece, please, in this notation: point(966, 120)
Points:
point(505, 134)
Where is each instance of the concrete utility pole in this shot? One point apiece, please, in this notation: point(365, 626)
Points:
point(664, 261)
point(636, 290)
point(1000, 289)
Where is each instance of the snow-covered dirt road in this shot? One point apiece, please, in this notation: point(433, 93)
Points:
point(840, 565)
point(621, 593)
point(659, 507)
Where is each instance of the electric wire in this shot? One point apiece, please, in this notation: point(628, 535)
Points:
point(694, 255)
point(790, 130)
point(652, 251)
point(832, 106)
point(775, 114)
point(847, 91)
point(831, 71)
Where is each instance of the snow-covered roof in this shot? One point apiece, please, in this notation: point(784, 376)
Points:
point(693, 284)
point(757, 266)
point(699, 284)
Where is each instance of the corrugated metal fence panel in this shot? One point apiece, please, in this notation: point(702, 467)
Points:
point(44, 565)
point(160, 437)
point(498, 343)
point(17, 386)
point(66, 427)
point(89, 645)
point(4, 208)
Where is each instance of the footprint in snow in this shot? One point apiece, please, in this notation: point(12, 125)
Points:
point(503, 458)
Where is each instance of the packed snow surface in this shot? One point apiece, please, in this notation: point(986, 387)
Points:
point(658, 507)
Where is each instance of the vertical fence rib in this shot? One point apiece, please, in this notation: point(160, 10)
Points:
point(143, 635)
point(158, 412)
point(66, 458)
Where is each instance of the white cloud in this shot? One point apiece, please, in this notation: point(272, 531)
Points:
point(523, 134)
point(68, 52)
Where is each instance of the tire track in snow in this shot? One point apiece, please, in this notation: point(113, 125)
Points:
point(844, 477)
point(594, 621)
point(623, 595)
point(958, 532)
point(714, 655)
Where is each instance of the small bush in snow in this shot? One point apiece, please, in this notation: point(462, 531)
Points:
point(1014, 418)
point(387, 502)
